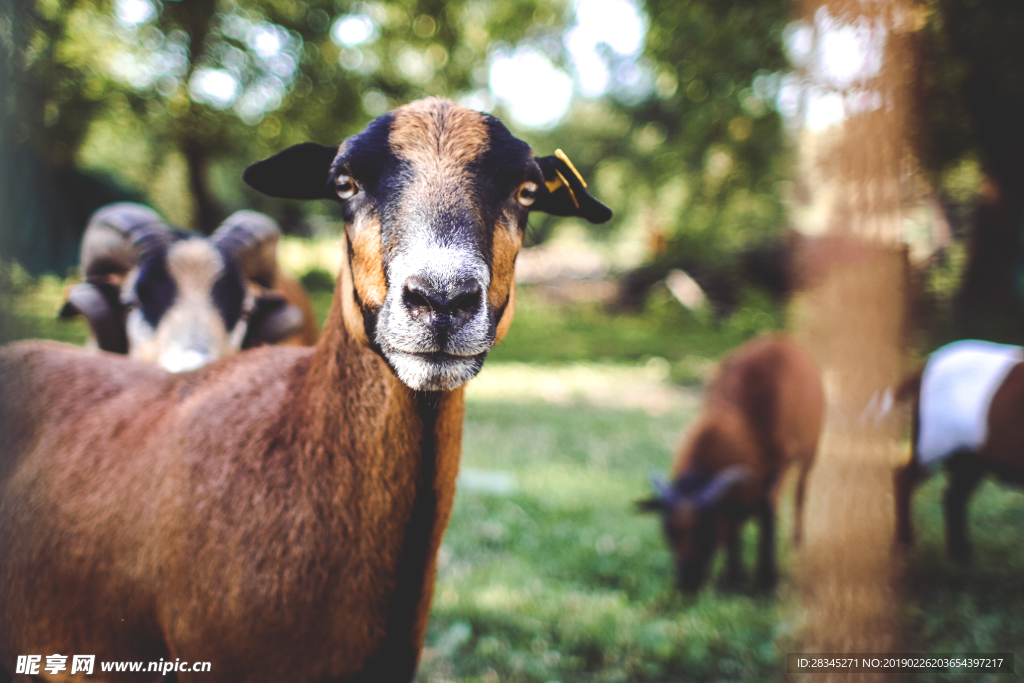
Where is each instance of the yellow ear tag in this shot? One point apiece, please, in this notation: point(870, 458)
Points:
point(562, 155)
point(554, 183)
point(568, 188)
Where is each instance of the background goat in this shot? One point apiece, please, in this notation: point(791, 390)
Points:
point(279, 513)
point(763, 412)
point(967, 403)
point(182, 300)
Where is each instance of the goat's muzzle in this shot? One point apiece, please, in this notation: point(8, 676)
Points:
point(437, 328)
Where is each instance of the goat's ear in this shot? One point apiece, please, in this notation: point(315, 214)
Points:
point(299, 172)
point(272, 320)
point(100, 303)
point(566, 192)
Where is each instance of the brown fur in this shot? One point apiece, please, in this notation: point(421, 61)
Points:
point(439, 139)
point(1002, 454)
point(345, 297)
point(506, 317)
point(265, 499)
point(763, 413)
point(436, 133)
point(507, 241)
point(367, 267)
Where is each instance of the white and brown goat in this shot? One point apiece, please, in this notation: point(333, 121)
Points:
point(967, 404)
point(278, 513)
point(763, 412)
point(182, 300)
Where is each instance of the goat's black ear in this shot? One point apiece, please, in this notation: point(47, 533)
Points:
point(273, 320)
point(100, 303)
point(299, 172)
point(565, 192)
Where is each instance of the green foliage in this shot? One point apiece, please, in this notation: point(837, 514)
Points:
point(29, 307)
point(709, 147)
point(318, 280)
point(690, 148)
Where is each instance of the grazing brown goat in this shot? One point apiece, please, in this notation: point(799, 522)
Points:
point(763, 412)
point(967, 404)
point(181, 300)
point(278, 513)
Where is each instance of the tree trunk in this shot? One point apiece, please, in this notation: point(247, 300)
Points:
point(988, 302)
point(209, 212)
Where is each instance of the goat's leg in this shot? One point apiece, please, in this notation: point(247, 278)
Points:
point(766, 574)
point(905, 480)
point(798, 510)
point(964, 474)
point(734, 574)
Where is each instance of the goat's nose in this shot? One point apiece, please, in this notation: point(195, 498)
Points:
point(451, 307)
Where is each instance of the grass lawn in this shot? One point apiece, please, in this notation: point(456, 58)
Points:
point(547, 574)
point(978, 608)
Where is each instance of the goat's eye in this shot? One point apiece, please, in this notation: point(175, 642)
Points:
point(345, 187)
point(527, 193)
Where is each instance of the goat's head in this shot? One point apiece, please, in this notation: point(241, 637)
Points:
point(177, 299)
point(690, 508)
point(435, 199)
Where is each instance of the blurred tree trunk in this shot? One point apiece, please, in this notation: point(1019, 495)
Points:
point(988, 296)
point(971, 104)
point(209, 212)
point(989, 293)
point(194, 18)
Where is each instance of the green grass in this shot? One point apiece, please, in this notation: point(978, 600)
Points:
point(559, 579)
point(550, 333)
point(977, 608)
point(29, 308)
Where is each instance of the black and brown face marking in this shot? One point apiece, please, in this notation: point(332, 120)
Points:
point(458, 165)
point(156, 289)
point(431, 198)
point(443, 189)
point(187, 301)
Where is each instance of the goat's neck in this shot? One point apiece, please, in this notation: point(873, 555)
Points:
point(394, 454)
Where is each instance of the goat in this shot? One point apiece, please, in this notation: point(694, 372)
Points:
point(278, 513)
point(762, 413)
point(181, 300)
point(966, 402)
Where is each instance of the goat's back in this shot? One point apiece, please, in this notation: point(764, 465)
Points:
point(115, 476)
point(764, 409)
